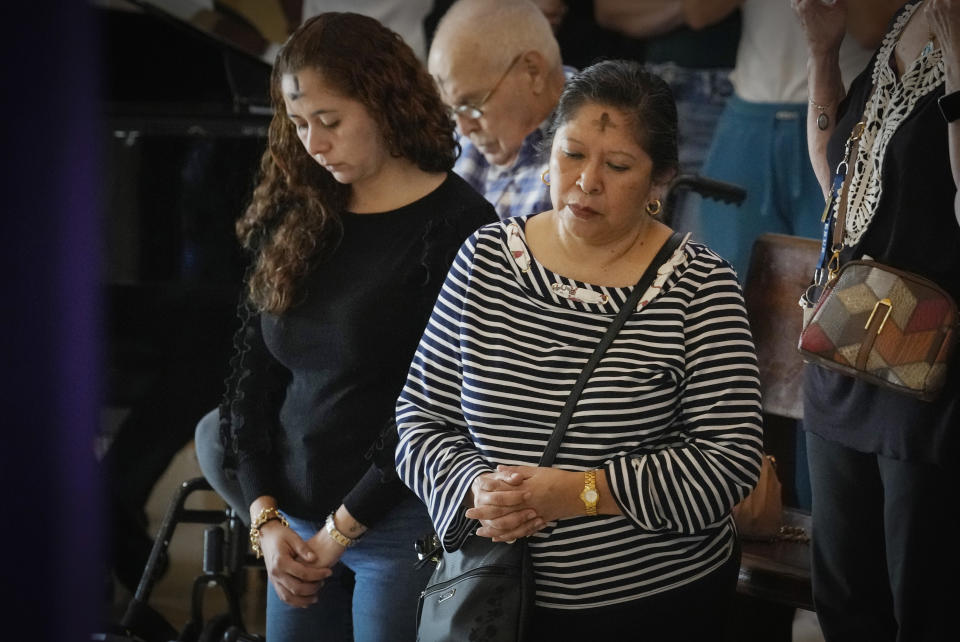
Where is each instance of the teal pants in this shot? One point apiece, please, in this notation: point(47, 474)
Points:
point(761, 147)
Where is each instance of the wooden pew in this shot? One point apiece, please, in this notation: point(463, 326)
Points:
point(780, 269)
point(778, 571)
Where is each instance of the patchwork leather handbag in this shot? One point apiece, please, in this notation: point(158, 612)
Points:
point(887, 326)
point(890, 327)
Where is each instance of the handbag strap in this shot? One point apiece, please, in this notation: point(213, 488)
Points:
point(840, 220)
point(840, 191)
point(553, 446)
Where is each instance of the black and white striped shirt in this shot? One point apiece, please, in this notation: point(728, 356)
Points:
point(671, 413)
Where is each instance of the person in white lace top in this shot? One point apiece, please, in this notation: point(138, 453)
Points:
point(883, 466)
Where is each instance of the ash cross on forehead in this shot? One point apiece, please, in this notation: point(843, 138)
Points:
point(604, 121)
point(294, 92)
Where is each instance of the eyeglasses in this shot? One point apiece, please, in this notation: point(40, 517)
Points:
point(474, 111)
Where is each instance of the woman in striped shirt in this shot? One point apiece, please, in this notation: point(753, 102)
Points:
point(630, 530)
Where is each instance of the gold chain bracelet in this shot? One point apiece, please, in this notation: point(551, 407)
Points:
point(823, 120)
point(266, 515)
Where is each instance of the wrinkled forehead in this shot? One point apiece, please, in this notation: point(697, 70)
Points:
point(459, 74)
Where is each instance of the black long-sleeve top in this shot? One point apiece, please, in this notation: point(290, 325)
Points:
point(315, 387)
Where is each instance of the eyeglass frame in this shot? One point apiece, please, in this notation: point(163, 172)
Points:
point(474, 111)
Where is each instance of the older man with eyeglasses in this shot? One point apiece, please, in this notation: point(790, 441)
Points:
point(498, 69)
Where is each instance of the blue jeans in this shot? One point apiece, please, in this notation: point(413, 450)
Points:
point(206, 441)
point(700, 95)
point(373, 592)
point(381, 602)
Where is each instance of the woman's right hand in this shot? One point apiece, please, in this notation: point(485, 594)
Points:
point(291, 566)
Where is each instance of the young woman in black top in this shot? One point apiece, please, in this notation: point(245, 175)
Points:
point(352, 227)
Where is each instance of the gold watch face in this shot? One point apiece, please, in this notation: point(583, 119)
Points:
point(590, 496)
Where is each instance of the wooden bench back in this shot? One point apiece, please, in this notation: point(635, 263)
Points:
point(780, 270)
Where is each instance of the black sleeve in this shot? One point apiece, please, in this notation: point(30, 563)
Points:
point(380, 488)
point(249, 411)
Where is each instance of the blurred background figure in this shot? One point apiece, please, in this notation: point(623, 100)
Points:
point(406, 17)
point(554, 11)
point(760, 140)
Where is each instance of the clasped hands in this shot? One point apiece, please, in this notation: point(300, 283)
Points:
point(297, 568)
point(518, 501)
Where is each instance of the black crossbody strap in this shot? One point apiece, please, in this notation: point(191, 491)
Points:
point(625, 311)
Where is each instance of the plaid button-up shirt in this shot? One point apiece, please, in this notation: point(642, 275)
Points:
point(515, 189)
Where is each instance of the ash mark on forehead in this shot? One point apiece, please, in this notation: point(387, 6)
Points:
point(604, 121)
point(291, 86)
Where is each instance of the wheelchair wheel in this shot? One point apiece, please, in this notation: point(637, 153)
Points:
point(215, 629)
point(234, 634)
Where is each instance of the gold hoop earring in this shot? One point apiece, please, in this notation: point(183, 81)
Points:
point(545, 177)
point(654, 207)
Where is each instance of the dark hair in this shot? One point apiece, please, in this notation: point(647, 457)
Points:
point(294, 217)
point(643, 96)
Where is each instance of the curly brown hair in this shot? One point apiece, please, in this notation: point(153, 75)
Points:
point(293, 220)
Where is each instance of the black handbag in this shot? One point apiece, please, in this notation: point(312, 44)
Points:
point(484, 591)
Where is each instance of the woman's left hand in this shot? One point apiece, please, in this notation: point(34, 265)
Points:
point(327, 549)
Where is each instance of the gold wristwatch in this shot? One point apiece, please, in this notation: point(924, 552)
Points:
point(336, 535)
point(589, 494)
